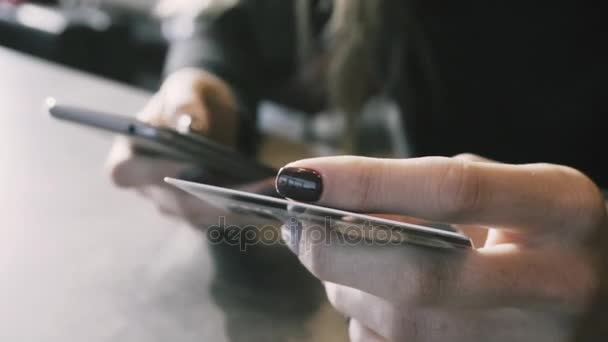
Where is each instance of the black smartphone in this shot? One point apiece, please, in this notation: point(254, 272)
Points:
point(168, 143)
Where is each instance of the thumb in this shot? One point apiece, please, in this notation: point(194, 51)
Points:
point(198, 101)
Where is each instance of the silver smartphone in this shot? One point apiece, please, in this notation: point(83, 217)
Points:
point(351, 225)
point(168, 143)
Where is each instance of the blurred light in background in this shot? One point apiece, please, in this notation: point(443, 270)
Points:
point(41, 18)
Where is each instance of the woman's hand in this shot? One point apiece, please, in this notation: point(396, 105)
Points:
point(208, 100)
point(213, 110)
point(532, 277)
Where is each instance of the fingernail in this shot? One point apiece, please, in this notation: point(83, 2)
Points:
point(299, 184)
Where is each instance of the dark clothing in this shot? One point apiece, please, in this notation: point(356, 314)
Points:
point(513, 81)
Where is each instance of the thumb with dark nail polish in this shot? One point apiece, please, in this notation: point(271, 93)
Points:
point(299, 184)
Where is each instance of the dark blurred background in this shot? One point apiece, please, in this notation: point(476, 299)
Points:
point(127, 41)
point(117, 39)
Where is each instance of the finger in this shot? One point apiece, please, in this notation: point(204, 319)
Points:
point(376, 317)
point(525, 197)
point(478, 235)
point(375, 312)
point(194, 111)
point(152, 111)
point(168, 106)
point(360, 333)
point(474, 158)
point(205, 99)
point(502, 275)
point(127, 169)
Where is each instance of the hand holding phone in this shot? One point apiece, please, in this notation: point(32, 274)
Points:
point(167, 143)
point(150, 148)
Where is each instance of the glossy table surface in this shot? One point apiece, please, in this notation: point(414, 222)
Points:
point(83, 261)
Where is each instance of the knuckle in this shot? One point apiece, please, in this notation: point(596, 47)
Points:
point(470, 157)
point(427, 283)
point(366, 184)
point(459, 191)
point(583, 198)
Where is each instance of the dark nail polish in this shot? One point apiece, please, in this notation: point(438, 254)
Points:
point(299, 184)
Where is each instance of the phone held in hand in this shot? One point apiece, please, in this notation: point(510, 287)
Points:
point(354, 226)
point(168, 143)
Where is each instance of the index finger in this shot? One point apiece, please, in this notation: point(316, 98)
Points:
point(450, 190)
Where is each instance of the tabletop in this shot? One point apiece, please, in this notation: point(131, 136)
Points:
point(82, 260)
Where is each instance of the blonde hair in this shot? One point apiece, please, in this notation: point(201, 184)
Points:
point(354, 32)
point(355, 29)
point(355, 37)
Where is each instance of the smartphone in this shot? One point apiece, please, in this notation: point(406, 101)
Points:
point(168, 143)
point(353, 226)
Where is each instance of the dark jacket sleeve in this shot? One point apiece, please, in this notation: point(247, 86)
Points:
point(250, 46)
